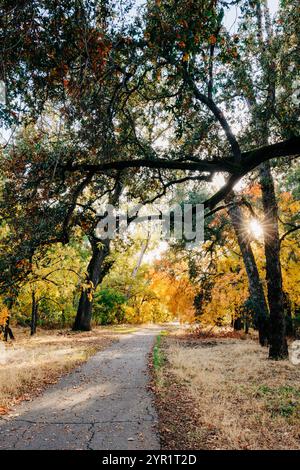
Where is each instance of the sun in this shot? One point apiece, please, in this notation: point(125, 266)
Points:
point(218, 181)
point(255, 228)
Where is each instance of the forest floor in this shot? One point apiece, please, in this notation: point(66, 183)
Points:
point(224, 393)
point(104, 403)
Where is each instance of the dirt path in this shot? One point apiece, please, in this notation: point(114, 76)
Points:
point(103, 404)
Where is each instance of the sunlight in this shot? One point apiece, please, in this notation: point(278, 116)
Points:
point(156, 253)
point(240, 185)
point(218, 180)
point(256, 228)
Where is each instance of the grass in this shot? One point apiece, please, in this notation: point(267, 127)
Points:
point(228, 396)
point(157, 355)
point(29, 364)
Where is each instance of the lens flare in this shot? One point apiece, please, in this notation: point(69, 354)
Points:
point(255, 228)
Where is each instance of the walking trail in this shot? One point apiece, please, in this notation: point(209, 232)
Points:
point(104, 404)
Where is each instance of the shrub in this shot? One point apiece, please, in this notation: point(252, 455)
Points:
point(109, 307)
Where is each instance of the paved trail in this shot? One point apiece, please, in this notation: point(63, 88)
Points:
point(103, 404)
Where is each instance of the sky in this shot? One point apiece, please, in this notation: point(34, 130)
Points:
point(231, 15)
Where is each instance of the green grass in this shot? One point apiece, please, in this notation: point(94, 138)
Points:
point(282, 400)
point(158, 358)
point(284, 391)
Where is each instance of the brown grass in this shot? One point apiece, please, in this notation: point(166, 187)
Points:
point(27, 365)
point(240, 399)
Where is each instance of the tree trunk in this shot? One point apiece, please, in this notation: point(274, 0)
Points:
point(8, 331)
point(97, 269)
point(34, 314)
point(278, 343)
point(237, 324)
point(63, 318)
point(290, 330)
point(255, 287)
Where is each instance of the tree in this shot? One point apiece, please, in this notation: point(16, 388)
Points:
point(109, 307)
point(264, 110)
point(4, 323)
point(53, 280)
point(98, 267)
point(255, 286)
point(220, 271)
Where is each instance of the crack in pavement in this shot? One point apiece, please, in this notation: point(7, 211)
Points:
point(79, 422)
point(107, 406)
point(92, 431)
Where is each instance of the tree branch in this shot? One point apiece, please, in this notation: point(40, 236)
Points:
point(249, 160)
point(296, 227)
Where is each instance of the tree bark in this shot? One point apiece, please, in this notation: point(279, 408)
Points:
point(290, 330)
point(237, 324)
point(278, 343)
point(34, 314)
point(254, 283)
point(8, 331)
point(96, 270)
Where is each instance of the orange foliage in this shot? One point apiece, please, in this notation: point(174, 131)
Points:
point(212, 39)
point(176, 292)
point(4, 315)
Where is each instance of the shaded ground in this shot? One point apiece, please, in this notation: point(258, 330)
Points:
point(224, 393)
point(103, 404)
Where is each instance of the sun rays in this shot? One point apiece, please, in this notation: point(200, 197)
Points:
point(256, 228)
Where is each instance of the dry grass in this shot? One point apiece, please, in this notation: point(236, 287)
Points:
point(241, 400)
point(29, 364)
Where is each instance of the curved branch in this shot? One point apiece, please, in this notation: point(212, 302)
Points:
point(296, 227)
point(219, 115)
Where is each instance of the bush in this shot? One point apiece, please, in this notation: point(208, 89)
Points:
point(109, 307)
